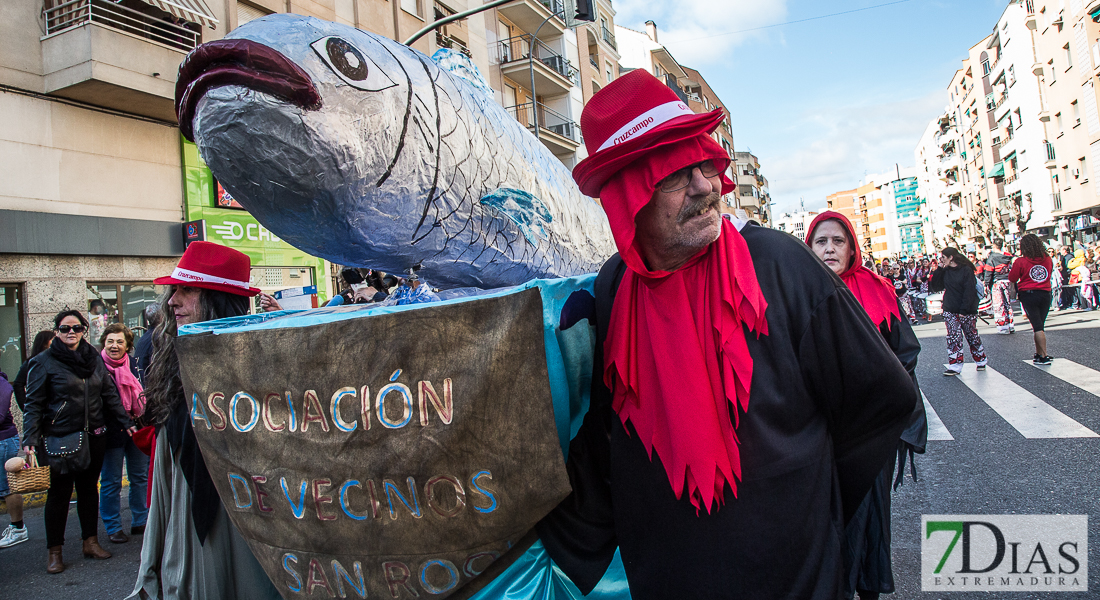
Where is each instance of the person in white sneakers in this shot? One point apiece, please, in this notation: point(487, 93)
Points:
point(9, 448)
point(960, 309)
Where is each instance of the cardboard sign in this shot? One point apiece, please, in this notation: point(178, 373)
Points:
point(388, 456)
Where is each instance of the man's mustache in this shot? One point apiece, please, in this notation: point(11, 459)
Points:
point(692, 210)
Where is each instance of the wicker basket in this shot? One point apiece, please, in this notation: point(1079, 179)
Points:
point(29, 479)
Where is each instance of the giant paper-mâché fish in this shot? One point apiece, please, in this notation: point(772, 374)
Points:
point(363, 151)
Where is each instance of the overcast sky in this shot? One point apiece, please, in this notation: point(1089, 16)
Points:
point(824, 102)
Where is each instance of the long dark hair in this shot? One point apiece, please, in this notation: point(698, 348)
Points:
point(42, 340)
point(958, 257)
point(1032, 247)
point(163, 388)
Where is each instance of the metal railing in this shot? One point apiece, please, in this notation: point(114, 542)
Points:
point(1050, 151)
point(446, 41)
point(1010, 178)
point(531, 115)
point(608, 37)
point(77, 13)
point(519, 48)
point(1056, 200)
point(555, 6)
point(592, 59)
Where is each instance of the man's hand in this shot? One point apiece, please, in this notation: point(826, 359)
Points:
point(268, 303)
point(365, 294)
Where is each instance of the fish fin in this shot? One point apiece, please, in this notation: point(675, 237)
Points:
point(460, 66)
point(522, 208)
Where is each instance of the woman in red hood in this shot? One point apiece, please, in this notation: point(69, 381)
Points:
point(867, 536)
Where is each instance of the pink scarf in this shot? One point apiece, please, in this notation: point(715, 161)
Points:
point(129, 388)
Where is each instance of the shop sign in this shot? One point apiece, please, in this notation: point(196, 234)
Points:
point(194, 231)
point(238, 229)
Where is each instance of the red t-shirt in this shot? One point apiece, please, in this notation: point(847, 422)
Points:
point(1031, 273)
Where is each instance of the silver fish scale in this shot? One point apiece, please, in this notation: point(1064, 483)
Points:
point(394, 178)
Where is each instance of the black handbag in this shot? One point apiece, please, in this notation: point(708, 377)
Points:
point(70, 453)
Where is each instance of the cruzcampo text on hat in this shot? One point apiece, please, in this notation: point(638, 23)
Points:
point(214, 267)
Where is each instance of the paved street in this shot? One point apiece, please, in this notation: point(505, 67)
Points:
point(985, 456)
point(23, 566)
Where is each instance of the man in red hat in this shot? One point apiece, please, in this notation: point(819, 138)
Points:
point(743, 402)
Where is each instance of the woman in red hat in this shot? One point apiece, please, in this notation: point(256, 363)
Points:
point(867, 536)
point(191, 550)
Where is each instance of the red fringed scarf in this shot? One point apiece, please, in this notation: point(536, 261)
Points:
point(875, 294)
point(676, 355)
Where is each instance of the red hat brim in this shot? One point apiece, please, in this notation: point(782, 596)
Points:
point(593, 172)
point(220, 287)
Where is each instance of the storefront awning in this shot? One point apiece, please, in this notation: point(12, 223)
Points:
point(998, 170)
point(195, 11)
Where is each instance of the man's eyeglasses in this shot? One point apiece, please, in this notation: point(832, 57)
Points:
point(680, 179)
point(72, 328)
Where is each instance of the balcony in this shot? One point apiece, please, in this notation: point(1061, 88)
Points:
point(446, 41)
point(556, 131)
point(609, 37)
point(554, 74)
point(529, 15)
point(108, 55)
point(1051, 162)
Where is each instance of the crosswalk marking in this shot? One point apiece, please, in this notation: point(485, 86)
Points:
point(936, 428)
point(1032, 417)
point(1072, 373)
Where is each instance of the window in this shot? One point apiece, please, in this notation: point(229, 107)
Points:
point(1069, 57)
point(1053, 75)
point(609, 72)
point(11, 329)
point(1011, 75)
point(246, 13)
point(1076, 113)
point(119, 303)
point(1082, 171)
point(1058, 123)
point(412, 7)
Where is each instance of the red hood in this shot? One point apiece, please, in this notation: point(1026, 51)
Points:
point(853, 241)
point(873, 292)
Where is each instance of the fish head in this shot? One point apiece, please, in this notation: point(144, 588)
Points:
point(300, 120)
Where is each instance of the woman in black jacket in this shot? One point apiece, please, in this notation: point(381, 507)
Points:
point(69, 389)
point(955, 278)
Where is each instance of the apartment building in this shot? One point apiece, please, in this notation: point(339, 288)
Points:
point(795, 223)
point(1066, 67)
point(535, 69)
point(1022, 114)
point(753, 196)
point(599, 50)
point(938, 160)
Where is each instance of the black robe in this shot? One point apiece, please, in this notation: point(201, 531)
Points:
point(868, 564)
point(827, 405)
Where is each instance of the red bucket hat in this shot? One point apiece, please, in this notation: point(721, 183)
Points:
point(213, 267)
point(631, 116)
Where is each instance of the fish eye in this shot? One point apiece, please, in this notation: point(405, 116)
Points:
point(352, 66)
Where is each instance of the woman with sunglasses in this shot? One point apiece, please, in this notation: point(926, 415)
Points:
point(69, 389)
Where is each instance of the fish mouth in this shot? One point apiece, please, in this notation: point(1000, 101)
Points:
point(240, 62)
